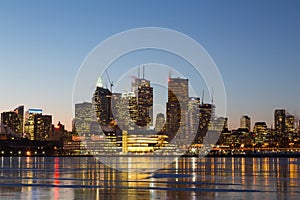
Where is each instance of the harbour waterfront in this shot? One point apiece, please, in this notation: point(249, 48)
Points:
point(186, 178)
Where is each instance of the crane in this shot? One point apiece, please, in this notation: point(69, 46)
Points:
point(110, 82)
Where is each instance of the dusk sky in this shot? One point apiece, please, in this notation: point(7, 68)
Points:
point(255, 44)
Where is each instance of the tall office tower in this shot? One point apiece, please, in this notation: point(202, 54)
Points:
point(102, 105)
point(30, 122)
point(261, 132)
point(42, 126)
point(13, 121)
point(124, 109)
point(245, 122)
point(10, 122)
point(144, 96)
point(160, 122)
point(193, 115)
point(85, 118)
point(206, 115)
point(37, 126)
point(290, 124)
point(279, 120)
point(20, 112)
point(177, 106)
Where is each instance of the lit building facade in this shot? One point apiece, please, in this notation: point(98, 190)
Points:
point(13, 121)
point(290, 124)
point(124, 109)
point(144, 97)
point(37, 126)
point(42, 126)
point(279, 121)
point(193, 115)
point(20, 112)
point(85, 119)
point(261, 133)
point(102, 105)
point(245, 122)
point(30, 122)
point(10, 122)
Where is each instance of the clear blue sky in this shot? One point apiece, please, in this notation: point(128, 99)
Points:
point(255, 44)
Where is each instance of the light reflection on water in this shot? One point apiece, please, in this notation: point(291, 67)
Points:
point(187, 178)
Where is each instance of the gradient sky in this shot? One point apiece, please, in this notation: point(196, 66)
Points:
point(255, 44)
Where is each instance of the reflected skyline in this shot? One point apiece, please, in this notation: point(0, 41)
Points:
point(190, 178)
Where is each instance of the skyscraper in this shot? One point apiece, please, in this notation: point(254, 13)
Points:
point(37, 126)
point(206, 115)
point(30, 122)
point(102, 105)
point(125, 111)
point(20, 112)
point(245, 122)
point(279, 121)
point(290, 124)
point(193, 115)
point(42, 126)
point(85, 118)
point(160, 122)
point(144, 95)
point(10, 122)
point(177, 106)
point(13, 121)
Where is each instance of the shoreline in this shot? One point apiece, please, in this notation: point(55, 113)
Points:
point(254, 155)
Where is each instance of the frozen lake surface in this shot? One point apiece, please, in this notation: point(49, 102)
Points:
point(186, 178)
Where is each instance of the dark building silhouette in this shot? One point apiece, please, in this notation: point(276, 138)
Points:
point(102, 105)
point(279, 120)
point(177, 106)
point(42, 126)
point(10, 122)
point(13, 121)
point(144, 97)
point(20, 112)
point(206, 115)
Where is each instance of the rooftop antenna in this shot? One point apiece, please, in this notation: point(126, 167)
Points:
point(202, 96)
point(212, 96)
point(138, 71)
point(143, 71)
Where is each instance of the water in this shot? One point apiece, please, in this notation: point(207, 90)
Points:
point(186, 178)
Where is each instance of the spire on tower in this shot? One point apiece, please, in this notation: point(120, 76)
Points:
point(170, 74)
point(99, 82)
point(212, 96)
point(143, 71)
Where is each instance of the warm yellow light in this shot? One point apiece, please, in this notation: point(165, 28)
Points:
point(28, 153)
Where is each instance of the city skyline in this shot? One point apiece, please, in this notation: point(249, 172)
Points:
point(134, 81)
point(254, 44)
point(245, 121)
